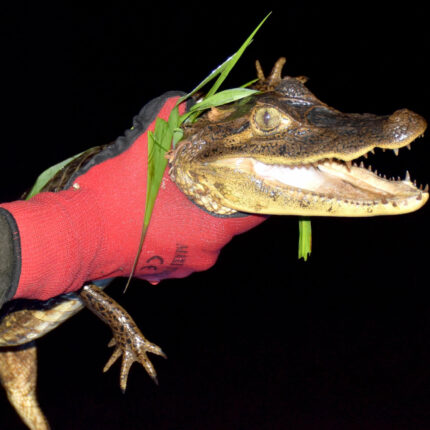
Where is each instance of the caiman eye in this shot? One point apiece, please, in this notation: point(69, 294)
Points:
point(267, 118)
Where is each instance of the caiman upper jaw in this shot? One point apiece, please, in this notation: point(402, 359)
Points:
point(399, 130)
point(348, 136)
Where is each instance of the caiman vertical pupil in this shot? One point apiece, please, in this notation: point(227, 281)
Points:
point(267, 118)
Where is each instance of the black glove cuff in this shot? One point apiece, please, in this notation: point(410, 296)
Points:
point(10, 256)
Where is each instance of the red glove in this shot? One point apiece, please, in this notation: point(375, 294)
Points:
point(91, 231)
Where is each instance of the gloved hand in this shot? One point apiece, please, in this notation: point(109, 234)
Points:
point(55, 242)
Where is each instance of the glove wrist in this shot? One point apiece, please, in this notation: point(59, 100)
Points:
point(58, 238)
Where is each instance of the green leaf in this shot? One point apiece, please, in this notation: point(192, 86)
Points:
point(222, 98)
point(235, 57)
point(47, 175)
point(173, 118)
point(224, 69)
point(178, 133)
point(305, 238)
point(157, 162)
point(218, 99)
point(205, 81)
point(253, 81)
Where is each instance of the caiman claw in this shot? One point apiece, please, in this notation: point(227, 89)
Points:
point(127, 338)
point(132, 347)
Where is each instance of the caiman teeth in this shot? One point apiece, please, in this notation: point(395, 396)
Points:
point(344, 181)
point(382, 176)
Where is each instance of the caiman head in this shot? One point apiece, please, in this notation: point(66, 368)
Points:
point(283, 151)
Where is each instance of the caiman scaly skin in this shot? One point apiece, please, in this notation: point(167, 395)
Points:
point(285, 152)
point(281, 151)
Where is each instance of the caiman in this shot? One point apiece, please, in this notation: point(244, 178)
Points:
point(280, 151)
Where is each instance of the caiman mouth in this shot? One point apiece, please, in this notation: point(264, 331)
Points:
point(331, 187)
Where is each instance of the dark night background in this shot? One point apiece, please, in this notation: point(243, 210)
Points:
point(262, 340)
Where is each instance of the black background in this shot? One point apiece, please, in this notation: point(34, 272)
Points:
point(261, 340)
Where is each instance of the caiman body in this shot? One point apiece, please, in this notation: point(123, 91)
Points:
point(280, 151)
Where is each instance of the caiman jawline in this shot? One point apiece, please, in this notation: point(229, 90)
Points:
point(338, 181)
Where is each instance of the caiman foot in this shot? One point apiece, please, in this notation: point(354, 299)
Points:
point(127, 338)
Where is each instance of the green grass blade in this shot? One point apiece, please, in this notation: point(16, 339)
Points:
point(222, 98)
point(205, 81)
point(305, 238)
point(157, 163)
point(47, 175)
point(234, 59)
point(173, 119)
point(178, 134)
point(218, 99)
point(224, 69)
point(253, 81)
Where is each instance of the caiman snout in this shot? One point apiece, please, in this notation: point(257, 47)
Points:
point(404, 125)
point(348, 136)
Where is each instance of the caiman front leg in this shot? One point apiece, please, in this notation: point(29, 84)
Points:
point(127, 338)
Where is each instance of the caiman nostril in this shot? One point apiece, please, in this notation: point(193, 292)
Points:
point(409, 119)
point(405, 125)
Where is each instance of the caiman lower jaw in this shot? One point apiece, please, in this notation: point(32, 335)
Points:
point(329, 188)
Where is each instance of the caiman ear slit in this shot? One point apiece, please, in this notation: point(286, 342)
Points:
point(275, 75)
